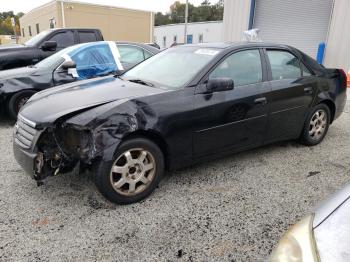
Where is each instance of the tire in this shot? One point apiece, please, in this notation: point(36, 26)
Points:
point(138, 166)
point(316, 125)
point(17, 101)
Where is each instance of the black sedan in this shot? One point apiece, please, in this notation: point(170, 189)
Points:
point(182, 106)
point(321, 236)
point(90, 60)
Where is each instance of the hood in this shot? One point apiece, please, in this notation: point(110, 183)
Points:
point(12, 47)
point(17, 73)
point(330, 205)
point(47, 106)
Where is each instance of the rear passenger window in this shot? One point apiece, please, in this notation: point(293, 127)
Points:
point(284, 65)
point(243, 68)
point(86, 37)
point(63, 39)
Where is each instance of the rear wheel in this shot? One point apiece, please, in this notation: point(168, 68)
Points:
point(17, 101)
point(316, 126)
point(134, 173)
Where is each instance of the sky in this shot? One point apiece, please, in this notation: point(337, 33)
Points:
point(150, 5)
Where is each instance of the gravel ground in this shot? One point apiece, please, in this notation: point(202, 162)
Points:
point(233, 209)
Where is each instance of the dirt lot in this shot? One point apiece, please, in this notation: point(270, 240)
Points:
point(233, 209)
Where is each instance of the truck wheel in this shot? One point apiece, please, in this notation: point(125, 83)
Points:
point(17, 101)
point(136, 170)
point(316, 125)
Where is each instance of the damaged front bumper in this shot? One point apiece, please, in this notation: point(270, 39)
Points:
point(25, 137)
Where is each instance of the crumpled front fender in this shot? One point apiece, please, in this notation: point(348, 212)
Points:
point(109, 125)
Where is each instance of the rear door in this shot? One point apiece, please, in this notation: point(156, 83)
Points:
point(293, 88)
point(237, 118)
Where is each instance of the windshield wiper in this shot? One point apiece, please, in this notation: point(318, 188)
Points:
point(141, 82)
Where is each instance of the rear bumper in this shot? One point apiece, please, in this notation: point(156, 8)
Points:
point(25, 159)
point(340, 105)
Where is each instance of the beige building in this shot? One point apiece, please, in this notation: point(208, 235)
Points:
point(116, 23)
point(7, 39)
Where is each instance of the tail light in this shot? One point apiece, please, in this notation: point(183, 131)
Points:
point(346, 78)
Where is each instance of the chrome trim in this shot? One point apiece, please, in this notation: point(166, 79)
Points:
point(26, 121)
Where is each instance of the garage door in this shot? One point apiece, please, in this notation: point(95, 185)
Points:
point(299, 23)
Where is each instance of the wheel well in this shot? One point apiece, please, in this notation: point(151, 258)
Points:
point(331, 107)
point(155, 138)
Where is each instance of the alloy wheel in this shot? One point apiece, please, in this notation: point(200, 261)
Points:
point(318, 124)
point(133, 172)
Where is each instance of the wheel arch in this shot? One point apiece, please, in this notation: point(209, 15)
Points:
point(331, 106)
point(156, 138)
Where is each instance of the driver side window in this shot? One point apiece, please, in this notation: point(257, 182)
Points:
point(64, 39)
point(243, 67)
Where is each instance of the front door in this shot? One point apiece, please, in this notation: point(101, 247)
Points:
point(237, 118)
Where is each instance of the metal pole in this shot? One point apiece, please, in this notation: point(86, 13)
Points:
point(13, 22)
point(63, 15)
point(186, 22)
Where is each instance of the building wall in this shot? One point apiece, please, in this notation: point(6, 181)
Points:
point(211, 32)
point(337, 50)
point(41, 16)
point(115, 23)
point(236, 19)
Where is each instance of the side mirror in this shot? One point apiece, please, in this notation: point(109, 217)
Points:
point(119, 72)
point(49, 46)
point(219, 85)
point(68, 65)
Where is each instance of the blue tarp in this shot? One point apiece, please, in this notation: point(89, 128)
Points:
point(94, 59)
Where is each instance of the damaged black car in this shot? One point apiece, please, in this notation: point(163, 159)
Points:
point(185, 105)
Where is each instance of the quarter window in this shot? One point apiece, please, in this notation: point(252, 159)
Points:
point(243, 68)
point(306, 72)
point(284, 65)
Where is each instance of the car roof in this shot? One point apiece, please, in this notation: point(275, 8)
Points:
point(144, 46)
point(225, 45)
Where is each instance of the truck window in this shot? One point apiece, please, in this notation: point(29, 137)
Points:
point(63, 39)
point(86, 37)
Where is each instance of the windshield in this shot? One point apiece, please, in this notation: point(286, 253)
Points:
point(54, 60)
point(36, 39)
point(172, 68)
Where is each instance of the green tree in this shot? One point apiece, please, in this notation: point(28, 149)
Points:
point(205, 12)
point(6, 25)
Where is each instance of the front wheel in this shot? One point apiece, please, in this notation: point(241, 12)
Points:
point(316, 125)
point(136, 170)
point(17, 101)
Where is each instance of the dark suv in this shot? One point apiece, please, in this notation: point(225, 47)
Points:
point(43, 45)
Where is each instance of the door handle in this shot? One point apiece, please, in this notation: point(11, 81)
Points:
point(261, 101)
point(308, 90)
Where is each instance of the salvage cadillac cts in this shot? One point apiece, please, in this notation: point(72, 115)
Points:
point(185, 105)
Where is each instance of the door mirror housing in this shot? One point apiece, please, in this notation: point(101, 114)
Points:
point(119, 73)
point(219, 85)
point(49, 46)
point(68, 65)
